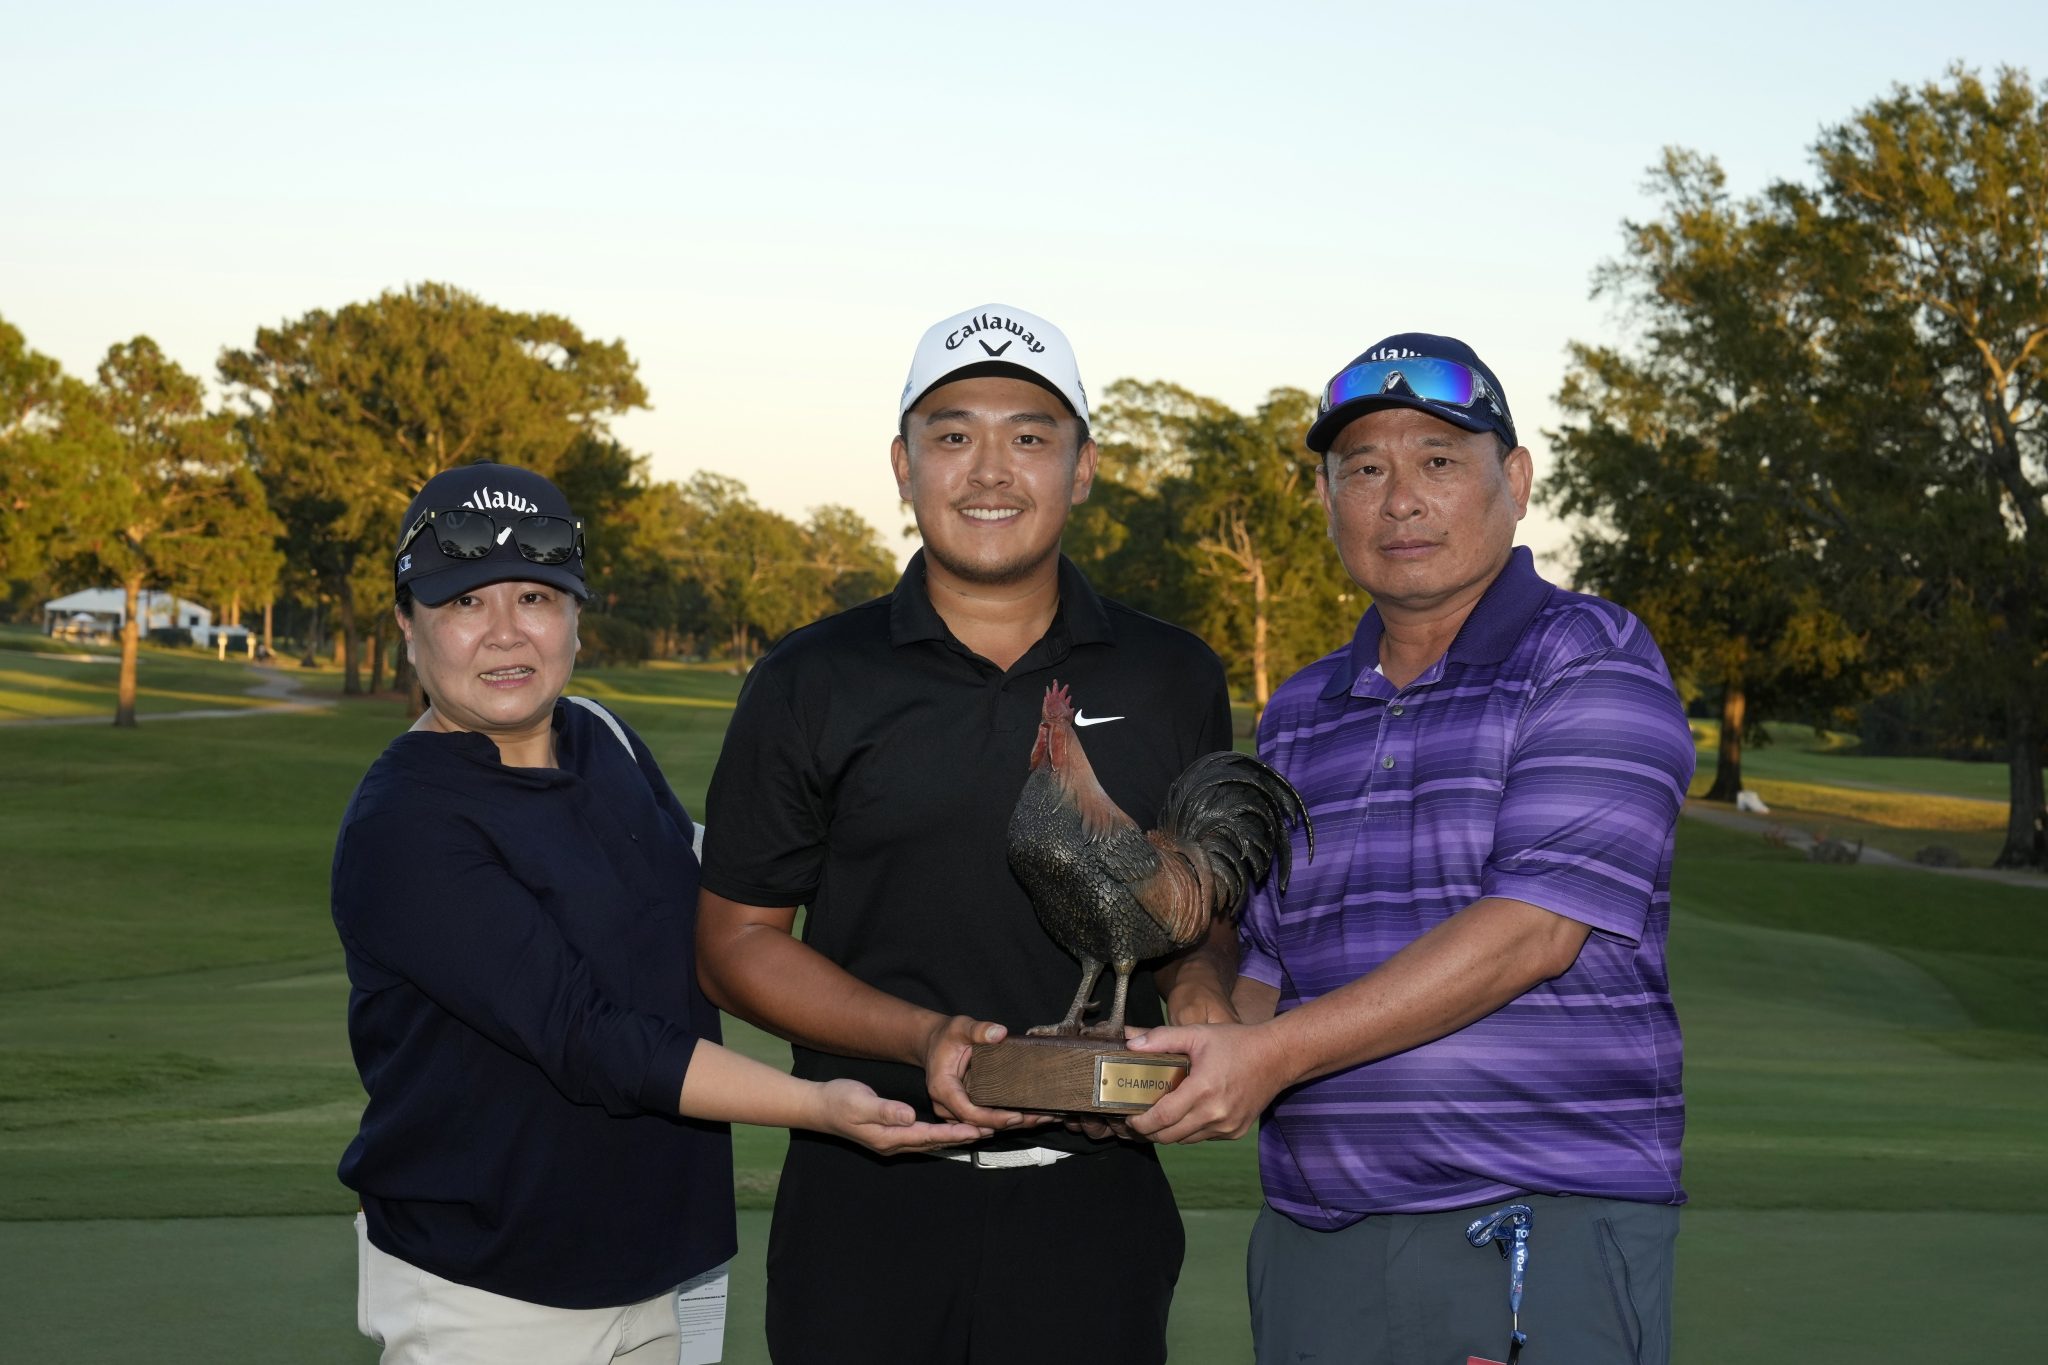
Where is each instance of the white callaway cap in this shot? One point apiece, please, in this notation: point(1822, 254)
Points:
point(995, 340)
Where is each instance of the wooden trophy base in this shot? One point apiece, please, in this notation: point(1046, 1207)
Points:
point(1070, 1076)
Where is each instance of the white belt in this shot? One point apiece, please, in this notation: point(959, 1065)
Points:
point(997, 1161)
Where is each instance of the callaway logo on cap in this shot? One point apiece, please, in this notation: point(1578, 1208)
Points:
point(996, 340)
point(487, 497)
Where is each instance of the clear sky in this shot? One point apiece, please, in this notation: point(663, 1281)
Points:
point(768, 203)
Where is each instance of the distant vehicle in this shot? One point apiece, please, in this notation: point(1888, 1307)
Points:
point(83, 626)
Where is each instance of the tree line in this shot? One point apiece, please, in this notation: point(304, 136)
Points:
point(1816, 465)
point(292, 488)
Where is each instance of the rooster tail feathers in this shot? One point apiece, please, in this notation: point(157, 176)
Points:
point(1234, 812)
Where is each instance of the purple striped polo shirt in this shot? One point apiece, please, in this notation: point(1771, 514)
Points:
point(1543, 758)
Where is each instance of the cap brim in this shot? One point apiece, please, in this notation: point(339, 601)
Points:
point(442, 585)
point(987, 369)
point(1326, 428)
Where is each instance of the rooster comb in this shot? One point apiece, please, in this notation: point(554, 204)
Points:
point(1059, 704)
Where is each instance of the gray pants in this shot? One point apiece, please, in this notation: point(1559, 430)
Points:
point(1408, 1289)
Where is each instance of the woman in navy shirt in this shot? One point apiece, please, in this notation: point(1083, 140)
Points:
point(543, 1160)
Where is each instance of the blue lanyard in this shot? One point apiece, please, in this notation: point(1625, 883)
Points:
point(1509, 1227)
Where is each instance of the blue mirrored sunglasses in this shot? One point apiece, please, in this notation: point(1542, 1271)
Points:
point(1434, 381)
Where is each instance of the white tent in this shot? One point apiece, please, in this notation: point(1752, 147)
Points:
point(109, 607)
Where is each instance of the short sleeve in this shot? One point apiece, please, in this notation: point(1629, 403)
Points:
point(765, 814)
point(1592, 792)
point(1256, 957)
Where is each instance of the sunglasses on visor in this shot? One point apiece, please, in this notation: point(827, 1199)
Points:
point(1434, 381)
point(464, 534)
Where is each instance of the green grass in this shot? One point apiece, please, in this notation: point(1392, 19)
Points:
point(1813, 1288)
point(679, 709)
point(1865, 1067)
point(1859, 1038)
point(1985, 945)
point(1798, 753)
point(174, 846)
point(1917, 812)
point(79, 683)
point(1817, 783)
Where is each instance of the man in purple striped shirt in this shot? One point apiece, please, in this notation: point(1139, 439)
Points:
point(1461, 1004)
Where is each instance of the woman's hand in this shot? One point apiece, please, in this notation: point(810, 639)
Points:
point(851, 1110)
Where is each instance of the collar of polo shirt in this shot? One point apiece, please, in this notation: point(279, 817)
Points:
point(1498, 619)
point(912, 616)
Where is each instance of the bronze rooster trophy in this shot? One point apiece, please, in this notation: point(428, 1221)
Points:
point(1114, 895)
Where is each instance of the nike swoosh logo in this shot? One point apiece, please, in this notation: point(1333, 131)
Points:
point(1081, 719)
point(504, 535)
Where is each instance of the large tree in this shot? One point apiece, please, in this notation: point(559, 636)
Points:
point(1946, 187)
point(706, 561)
point(1208, 517)
point(166, 499)
point(347, 413)
point(1272, 593)
point(748, 561)
point(1835, 408)
point(1691, 462)
point(1125, 536)
point(845, 561)
point(46, 416)
point(645, 575)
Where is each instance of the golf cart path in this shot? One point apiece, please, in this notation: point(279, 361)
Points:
point(1760, 825)
point(280, 692)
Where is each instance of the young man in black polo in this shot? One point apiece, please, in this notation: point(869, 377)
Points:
point(869, 775)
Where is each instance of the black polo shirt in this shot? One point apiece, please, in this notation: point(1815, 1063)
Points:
point(870, 772)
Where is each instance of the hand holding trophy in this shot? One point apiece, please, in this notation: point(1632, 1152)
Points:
point(1114, 895)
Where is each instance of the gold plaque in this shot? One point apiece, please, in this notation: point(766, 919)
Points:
point(1127, 1085)
point(1070, 1076)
